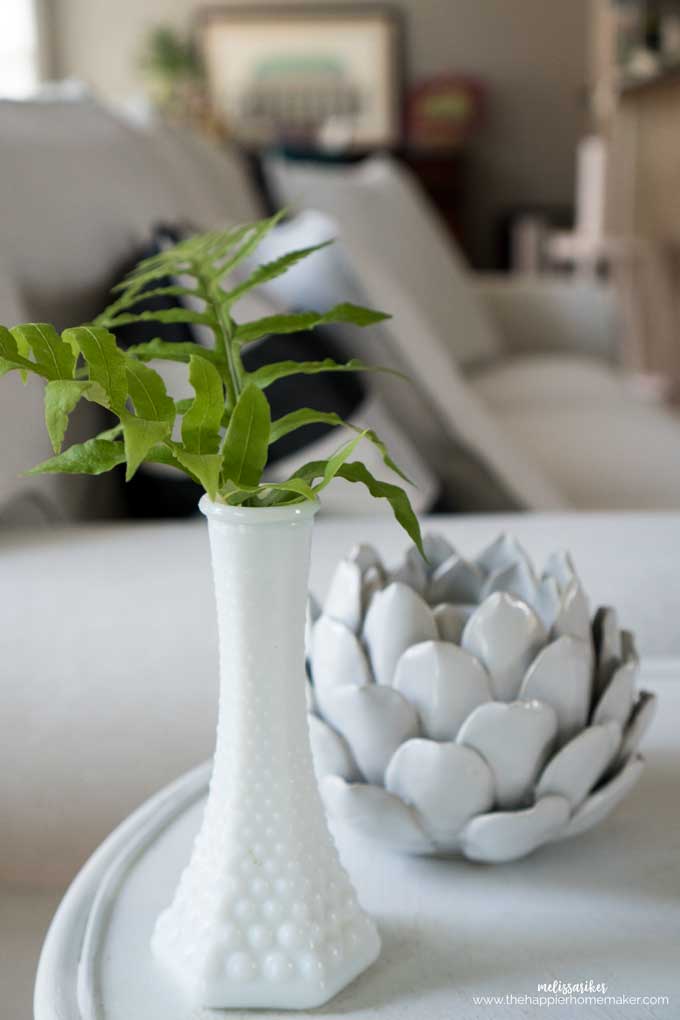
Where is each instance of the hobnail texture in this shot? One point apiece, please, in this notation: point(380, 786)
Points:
point(470, 706)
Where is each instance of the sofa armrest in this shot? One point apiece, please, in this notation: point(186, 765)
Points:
point(551, 314)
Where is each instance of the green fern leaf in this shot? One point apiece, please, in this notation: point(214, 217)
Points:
point(246, 443)
point(271, 270)
point(106, 363)
point(268, 374)
point(300, 321)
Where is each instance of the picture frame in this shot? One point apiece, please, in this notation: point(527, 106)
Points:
point(307, 75)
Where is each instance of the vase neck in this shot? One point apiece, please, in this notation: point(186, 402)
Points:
point(260, 573)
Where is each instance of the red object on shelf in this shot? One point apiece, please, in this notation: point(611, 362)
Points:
point(443, 112)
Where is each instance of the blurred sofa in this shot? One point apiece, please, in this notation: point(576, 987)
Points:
point(81, 191)
point(517, 402)
point(523, 371)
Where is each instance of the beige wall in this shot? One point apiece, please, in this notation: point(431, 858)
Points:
point(533, 54)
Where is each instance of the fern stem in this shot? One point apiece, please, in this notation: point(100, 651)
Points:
point(224, 339)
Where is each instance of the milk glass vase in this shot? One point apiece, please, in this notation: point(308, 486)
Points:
point(264, 914)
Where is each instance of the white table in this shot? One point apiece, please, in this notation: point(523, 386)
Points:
point(603, 907)
point(104, 733)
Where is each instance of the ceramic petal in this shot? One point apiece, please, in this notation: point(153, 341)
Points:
point(561, 676)
point(446, 783)
point(604, 800)
point(337, 658)
point(616, 701)
point(444, 684)
point(629, 652)
point(505, 635)
point(608, 650)
point(573, 616)
point(344, 599)
point(374, 580)
point(455, 580)
point(412, 571)
point(365, 556)
point(374, 721)
point(396, 619)
point(376, 814)
point(547, 601)
point(501, 553)
point(515, 740)
point(575, 770)
point(561, 566)
point(437, 550)
point(516, 579)
point(641, 718)
point(332, 756)
point(451, 620)
point(312, 613)
point(507, 835)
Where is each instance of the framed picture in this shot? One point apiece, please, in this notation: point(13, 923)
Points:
point(327, 76)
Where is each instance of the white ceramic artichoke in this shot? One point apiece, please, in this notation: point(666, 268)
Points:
point(470, 707)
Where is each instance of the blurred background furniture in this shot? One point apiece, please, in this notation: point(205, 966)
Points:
point(518, 400)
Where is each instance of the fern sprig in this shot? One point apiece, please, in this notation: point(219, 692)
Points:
point(219, 438)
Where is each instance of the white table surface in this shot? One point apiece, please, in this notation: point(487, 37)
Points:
point(628, 560)
point(604, 907)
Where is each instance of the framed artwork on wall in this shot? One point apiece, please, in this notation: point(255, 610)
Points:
point(305, 74)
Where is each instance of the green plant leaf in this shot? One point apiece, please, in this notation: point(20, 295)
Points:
point(202, 422)
point(148, 393)
point(334, 463)
point(91, 458)
point(396, 497)
point(133, 294)
point(307, 416)
point(145, 274)
point(12, 358)
point(54, 358)
point(271, 270)
point(254, 233)
point(162, 454)
point(268, 374)
point(246, 444)
point(61, 398)
point(294, 323)
point(270, 493)
point(113, 433)
point(163, 315)
point(106, 363)
point(203, 466)
point(162, 350)
point(140, 435)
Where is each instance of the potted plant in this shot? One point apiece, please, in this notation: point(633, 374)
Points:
point(174, 76)
point(264, 915)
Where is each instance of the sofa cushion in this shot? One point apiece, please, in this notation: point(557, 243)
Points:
point(80, 190)
point(379, 206)
point(211, 184)
point(549, 380)
point(50, 498)
point(451, 427)
point(586, 429)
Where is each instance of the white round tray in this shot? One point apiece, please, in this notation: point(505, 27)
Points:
point(604, 906)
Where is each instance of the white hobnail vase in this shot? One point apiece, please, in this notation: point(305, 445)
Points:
point(264, 914)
